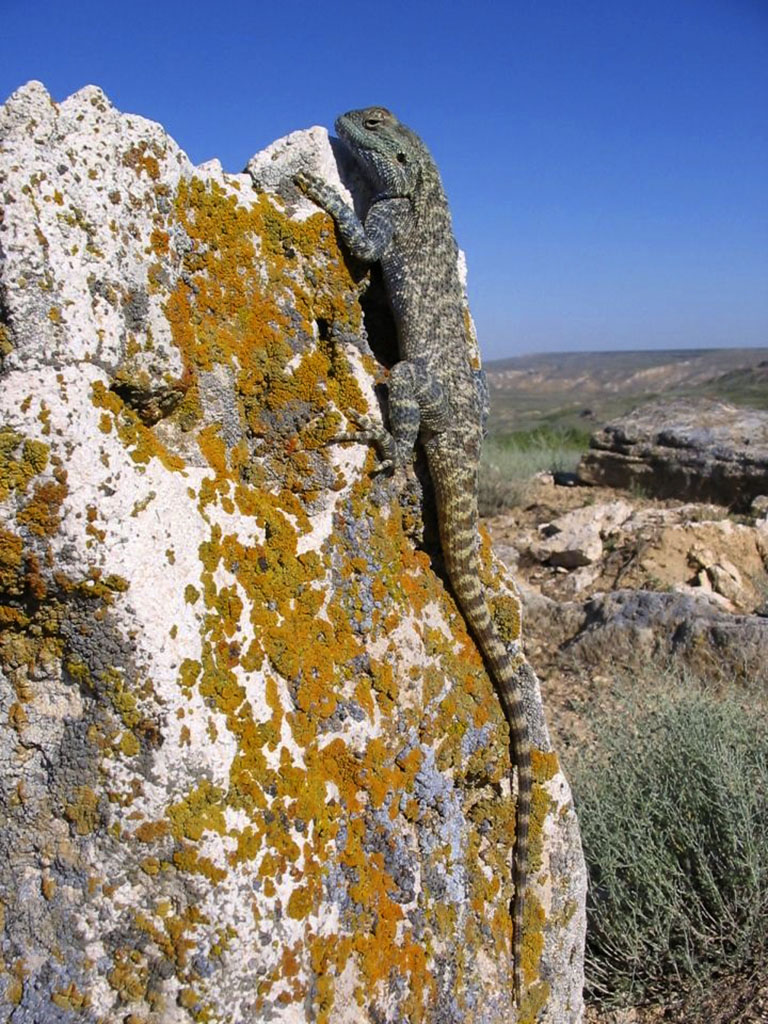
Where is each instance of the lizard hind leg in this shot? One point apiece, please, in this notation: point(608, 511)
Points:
point(415, 399)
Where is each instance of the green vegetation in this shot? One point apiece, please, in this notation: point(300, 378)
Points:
point(741, 387)
point(673, 804)
point(510, 462)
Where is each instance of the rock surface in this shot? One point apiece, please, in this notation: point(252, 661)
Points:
point(631, 626)
point(576, 538)
point(692, 450)
point(252, 765)
point(688, 548)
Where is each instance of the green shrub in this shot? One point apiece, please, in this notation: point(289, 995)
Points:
point(673, 805)
point(498, 492)
point(510, 462)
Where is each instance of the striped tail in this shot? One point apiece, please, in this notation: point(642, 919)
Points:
point(457, 503)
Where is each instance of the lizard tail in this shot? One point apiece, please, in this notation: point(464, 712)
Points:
point(458, 536)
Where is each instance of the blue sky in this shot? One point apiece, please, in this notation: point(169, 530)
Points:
point(606, 160)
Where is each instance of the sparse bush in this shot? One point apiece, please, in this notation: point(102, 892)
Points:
point(509, 463)
point(673, 804)
point(498, 492)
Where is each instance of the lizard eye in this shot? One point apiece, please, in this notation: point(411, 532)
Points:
point(372, 122)
point(401, 158)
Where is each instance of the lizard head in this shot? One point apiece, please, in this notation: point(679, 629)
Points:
point(393, 156)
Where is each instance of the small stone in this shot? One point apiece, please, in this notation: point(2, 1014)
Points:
point(576, 538)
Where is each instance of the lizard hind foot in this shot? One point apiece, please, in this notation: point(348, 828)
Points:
point(371, 433)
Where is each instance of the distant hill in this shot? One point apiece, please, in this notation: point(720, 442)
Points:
point(585, 389)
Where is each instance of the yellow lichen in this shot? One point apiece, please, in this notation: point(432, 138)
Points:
point(83, 811)
point(20, 461)
point(200, 811)
point(142, 441)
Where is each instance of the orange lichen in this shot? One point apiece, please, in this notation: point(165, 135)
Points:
point(71, 998)
point(143, 160)
point(150, 831)
point(41, 514)
point(544, 765)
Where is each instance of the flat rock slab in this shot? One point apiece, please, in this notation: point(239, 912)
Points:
point(698, 450)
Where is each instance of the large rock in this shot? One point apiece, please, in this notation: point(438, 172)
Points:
point(641, 630)
point(252, 765)
point(689, 547)
point(698, 450)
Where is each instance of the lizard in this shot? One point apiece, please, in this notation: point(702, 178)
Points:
point(437, 395)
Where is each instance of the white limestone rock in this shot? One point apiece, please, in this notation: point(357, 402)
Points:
point(576, 538)
point(252, 767)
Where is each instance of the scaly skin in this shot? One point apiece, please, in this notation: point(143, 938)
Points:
point(434, 392)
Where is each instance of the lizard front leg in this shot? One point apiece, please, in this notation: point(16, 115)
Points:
point(369, 241)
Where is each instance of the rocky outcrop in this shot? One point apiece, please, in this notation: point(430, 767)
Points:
point(650, 584)
point(252, 765)
point(693, 450)
point(689, 548)
point(633, 633)
point(640, 627)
